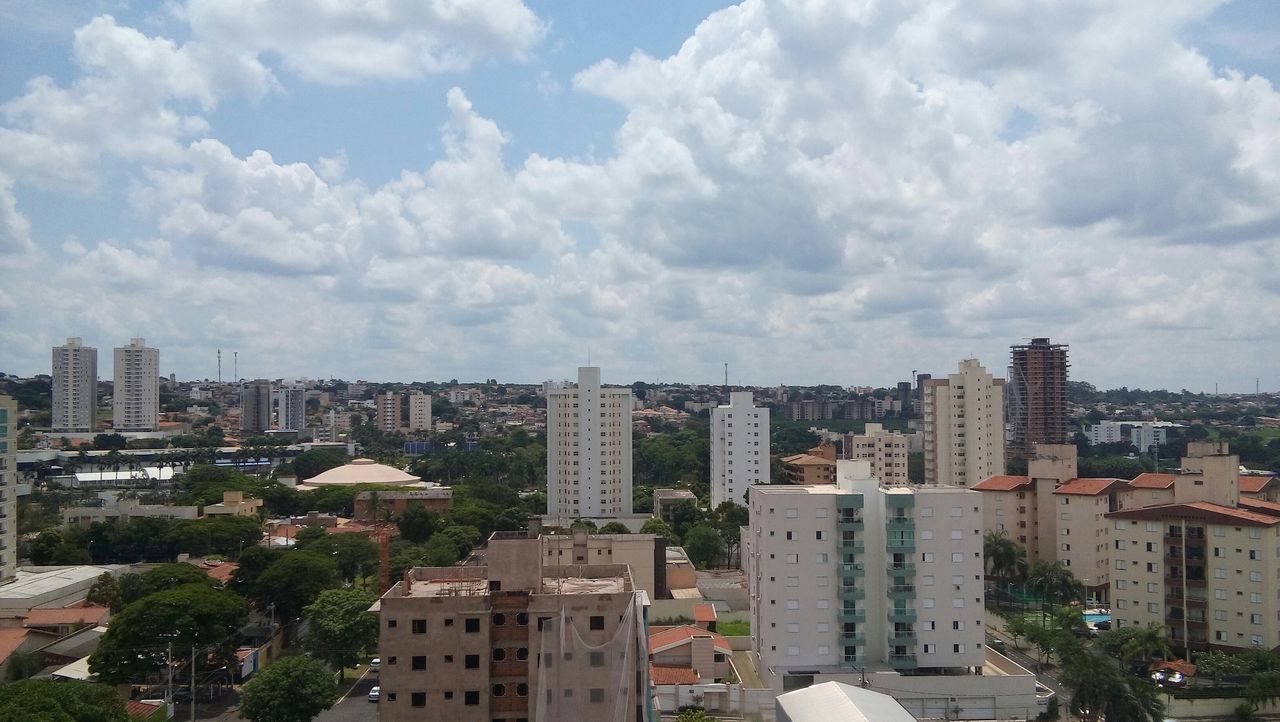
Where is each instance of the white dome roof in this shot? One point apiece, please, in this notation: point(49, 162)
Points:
point(362, 471)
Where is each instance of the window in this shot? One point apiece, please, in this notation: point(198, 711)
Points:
point(1255, 576)
point(823, 650)
point(597, 622)
point(957, 557)
point(471, 661)
point(791, 536)
point(823, 581)
point(793, 513)
point(1152, 587)
point(793, 581)
point(793, 604)
point(1220, 615)
point(1151, 567)
point(957, 534)
point(957, 511)
point(793, 627)
point(1255, 597)
point(1219, 594)
point(793, 559)
point(957, 603)
point(957, 626)
point(471, 697)
point(1255, 619)
point(1153, 607)
point(448, 622)
point(957, 648)
point(448, 695)
point(821, 558)
point(930, 648)
point(1122, 583)
point(818, 535)
point(793, 651)
point(926, 603)
point(926, 557)
point(926, 580)
point(391, 624)
point(418, 626)
point(597, 659)
point(1219, 573)
point(419, 699)
point(824, 604)
point(419, 662)
point(1122, 604)
point(597, 695)
point(926, 534)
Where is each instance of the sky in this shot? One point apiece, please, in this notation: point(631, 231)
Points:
point(811, 191)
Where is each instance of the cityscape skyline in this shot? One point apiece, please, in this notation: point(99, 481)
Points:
point(501, 193)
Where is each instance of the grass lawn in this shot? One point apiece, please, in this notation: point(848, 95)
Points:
point(734, 629)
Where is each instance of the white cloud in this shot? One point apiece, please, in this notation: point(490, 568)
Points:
point(15, 229)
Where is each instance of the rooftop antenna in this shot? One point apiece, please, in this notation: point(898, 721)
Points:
point(236, 364)
point(726, 376)
point(219, 366)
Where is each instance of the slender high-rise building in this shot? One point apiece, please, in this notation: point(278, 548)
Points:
point(75, 387)
point(419, 411)
point(739, 448)
point(389, 416)
point(1037, 396)
point(963, 426)
point(291, 407)
point(255, 406)
point(588, 448)
point(8, 490)
point(135, 396)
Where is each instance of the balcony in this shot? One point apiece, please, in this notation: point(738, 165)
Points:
point(902, 546)
point(850, 523)
point(851, 639)
point(902, 639)
point(852, 546)
point(855, 569)
point(900, 522)
point(852, 660)
point(906, 569)
point(851, 593)
point(902, 614)
point(903, 661)
point(854, 614)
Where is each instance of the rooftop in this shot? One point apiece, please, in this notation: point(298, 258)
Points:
point(661, 674)
point(1090, 486)
point(1002, 482)
point(29, 584)
point(1149, 480)
point(1200, 510)
point(362, 471)
point(665, 639)
point(807, 460)
point(1254, 483)
point(836, 700)
point(69, 615)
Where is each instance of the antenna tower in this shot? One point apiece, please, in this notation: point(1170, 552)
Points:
point(219, 366)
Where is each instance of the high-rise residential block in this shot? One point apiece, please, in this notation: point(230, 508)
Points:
point(135, 395)
point(255, 406)
point(520, 638)
point(1037, 396)
point(739, 448)
point(75, 387)
point(419, 411)
point(588, 448)
point(885, 450)
point(963, 426)
point(8, 487)
point(853, 575)
point(291, 407)
point(388, 417)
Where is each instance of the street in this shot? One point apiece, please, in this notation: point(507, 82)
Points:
point(355, 707)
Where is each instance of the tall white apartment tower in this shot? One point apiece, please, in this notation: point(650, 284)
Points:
point(739, 448)
point(8, 487)
point(963, 426)
point(291, 407)
point(588, 448)
point(419, 411)
point(855, 576)
point(135, 396)
point(75, 387)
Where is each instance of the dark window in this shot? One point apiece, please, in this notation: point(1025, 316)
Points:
point(448, 658)
point(420, 662)
point(544, 623)
point(522, 690)
point(597, 622)
point(597, 694)
point(391, 660)
point(448, 695)
point(546, 659)
point(448, 622)
point(499, 690)
point(499, 654)
point(522, 619)
point(498, 620)
point(391, 696)
point(597, 659)
point(522, 654)
point(472, 661)
point(418, 699)
point(419, 626)
point(472, 625)
point(391, 624)
point(471, 698)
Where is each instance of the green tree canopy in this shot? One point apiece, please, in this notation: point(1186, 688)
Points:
point(294, 689)
point(703, 545)
point(170, 576)
point(354, 554)
point(661, 528)
point(252, 564)
point(190, 615)
point(614, 527)
point(43, 700)
point(294, 581)
point(340, 627)
point(417, 524)
point(106, 592)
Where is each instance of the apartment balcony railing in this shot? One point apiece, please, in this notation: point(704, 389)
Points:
point(900, 614)
point(850, 593)
point(900, 522)
point(903, 661)
point(901, 568)
point(905, 639)
point(855, 614)
point(853, 546)
point(855, 639)
point(852, 569)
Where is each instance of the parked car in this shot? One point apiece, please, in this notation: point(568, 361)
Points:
point(375, 694)
point(375, 664)
point(996, 644)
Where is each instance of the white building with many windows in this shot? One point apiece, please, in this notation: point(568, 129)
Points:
point(588, 449)
point(290, 401)
point(886, 450)
point(75, 387)
point(135, 395)
point(963, 426)
point(739, 448)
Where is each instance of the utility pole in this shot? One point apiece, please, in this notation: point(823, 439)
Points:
point(168, 692)
point(193, 683)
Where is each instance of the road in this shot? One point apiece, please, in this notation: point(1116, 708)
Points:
point(355, 707)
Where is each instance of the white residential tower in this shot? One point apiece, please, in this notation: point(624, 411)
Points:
point(739, 448)
point(588, 448)
point(75, 387)
point(135, 404)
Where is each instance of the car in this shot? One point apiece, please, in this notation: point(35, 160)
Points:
point(375, 694)
point(375, 664)
point(996, 644)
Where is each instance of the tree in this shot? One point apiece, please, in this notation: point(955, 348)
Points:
point(192, 615)
point(730, 518)
point(43, 700)
point(106, 592)
point(294, 581)
point(1019, 627)
point(1145, 644)
point(1054, 581)
point(464, 538)
point(253, 563)
point(417, 524)
point(294, 689)
point(614, 527)
point(1262, 689)
point(170, 576)
point(659, 527)
point(703, 545)
point(1005, 559)
point(308, 534)
point(340, 627)
point(1216, 665)
point(355, 555)
point(695, 714)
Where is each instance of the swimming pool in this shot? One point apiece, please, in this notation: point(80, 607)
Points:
point(1095, 618)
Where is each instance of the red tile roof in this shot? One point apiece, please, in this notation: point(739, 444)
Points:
point(1254, 483)
point(807, 460)
point(1269, 508)
point(704, 612)
point(11, 640)
point(220, 571)
point(141, 710)
point(675, 636)
point(672, 675)
point(1090, 487)
point(1002, 482)
point(72, 615)
point(1149, 480)
point(1214, 513)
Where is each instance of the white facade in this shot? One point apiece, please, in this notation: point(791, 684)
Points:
point(886, 450)
point(75, 387)
point(1104, 432)
point(963, 426)
point(1149, 434)
point(8, 487)
point(290, 401)
point(739, 448)
point(135, 404)
point(419, 411)
point(588, 448)
point(856, 576)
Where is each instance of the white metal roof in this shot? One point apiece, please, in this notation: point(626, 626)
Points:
point(839, 701)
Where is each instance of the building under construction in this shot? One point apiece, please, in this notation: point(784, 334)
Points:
point(1037, 397)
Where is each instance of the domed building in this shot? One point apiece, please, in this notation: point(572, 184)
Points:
point(361, 471)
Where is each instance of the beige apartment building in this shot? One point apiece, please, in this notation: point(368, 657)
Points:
point(886, 450)
point(387, 407)
point(588, 449)
point(135, 395)
point(963, 426)
point(645, 554)
point(514, 640)
point(419, 411)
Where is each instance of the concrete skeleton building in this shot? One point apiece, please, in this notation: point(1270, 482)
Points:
point(963, 426)
point(739, 448)
point(515, 640)
point(886, 450)
point(1037, 398)
point(135, 394)
point(8, 487)
point(588, 448)
point(75, 387)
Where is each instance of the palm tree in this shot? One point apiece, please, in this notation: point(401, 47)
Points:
point(1137, 700)
point(1054, 581)
point(1006, 560)
point(1145, 643)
